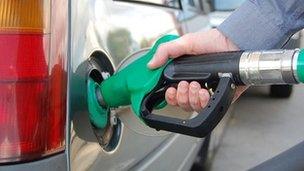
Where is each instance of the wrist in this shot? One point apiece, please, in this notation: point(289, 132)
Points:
point(225, 41)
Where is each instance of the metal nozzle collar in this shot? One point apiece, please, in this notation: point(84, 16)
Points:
point(268, 67)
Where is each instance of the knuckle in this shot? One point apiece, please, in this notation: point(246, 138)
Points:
point(192, 100)
point(161, 51)
point(195, 104)
point(162, 47)
point(172, 102)
point(193, 92)
point(183, 101)
point(187, 37)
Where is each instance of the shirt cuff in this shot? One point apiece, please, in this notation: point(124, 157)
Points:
point(249, 29)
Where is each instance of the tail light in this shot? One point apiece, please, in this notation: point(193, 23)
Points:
point(33, 54)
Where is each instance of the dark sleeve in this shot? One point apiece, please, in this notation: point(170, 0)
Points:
point(264, 24)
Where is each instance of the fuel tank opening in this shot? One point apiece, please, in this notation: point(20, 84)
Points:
point(108, 129)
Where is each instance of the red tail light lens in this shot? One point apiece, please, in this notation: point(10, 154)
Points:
point(33, 49)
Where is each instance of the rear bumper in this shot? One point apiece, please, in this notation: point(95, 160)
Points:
point(57, 162)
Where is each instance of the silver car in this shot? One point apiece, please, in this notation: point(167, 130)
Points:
point(49, 48)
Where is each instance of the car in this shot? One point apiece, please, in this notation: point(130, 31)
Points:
point(49, 49)
point(219, 10)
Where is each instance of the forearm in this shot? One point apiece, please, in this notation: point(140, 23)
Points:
point(264, 24)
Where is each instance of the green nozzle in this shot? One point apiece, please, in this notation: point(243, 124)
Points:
point(132, 83)
point(300, 66)
point(128, 86)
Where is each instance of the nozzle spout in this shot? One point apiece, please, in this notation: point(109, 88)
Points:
point(115, 91)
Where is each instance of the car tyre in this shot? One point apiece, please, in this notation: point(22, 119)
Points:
point(280, 91)
point(200, 163)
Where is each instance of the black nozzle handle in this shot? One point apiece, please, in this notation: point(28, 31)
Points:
point(199, 126)
point(204, 68)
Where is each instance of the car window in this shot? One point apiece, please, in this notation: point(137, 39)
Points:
point(192, 5)
point(191, 8)
point(166, 3)
point(226, 5)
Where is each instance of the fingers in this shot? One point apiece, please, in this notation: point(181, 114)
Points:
point(182, 95)
point(192, 96)
point(171, 49)
point(204, 97)
point(188, 96)
point(194, 99)
point(171, 96)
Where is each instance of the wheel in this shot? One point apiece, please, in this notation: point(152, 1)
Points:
point(280, 91)
point(200, 163)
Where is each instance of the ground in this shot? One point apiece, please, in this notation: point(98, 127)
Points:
point(260, 128)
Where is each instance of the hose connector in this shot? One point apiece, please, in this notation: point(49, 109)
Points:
point(270, 67)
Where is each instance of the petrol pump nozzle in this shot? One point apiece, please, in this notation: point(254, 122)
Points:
point(126, 87)
point(144, 89)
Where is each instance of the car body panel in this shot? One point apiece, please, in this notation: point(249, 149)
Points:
point(117, 30)
point(56, 162)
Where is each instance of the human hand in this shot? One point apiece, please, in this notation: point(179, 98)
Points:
point(190, 96)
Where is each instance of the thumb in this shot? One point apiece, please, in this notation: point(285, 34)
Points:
point(168, 50)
